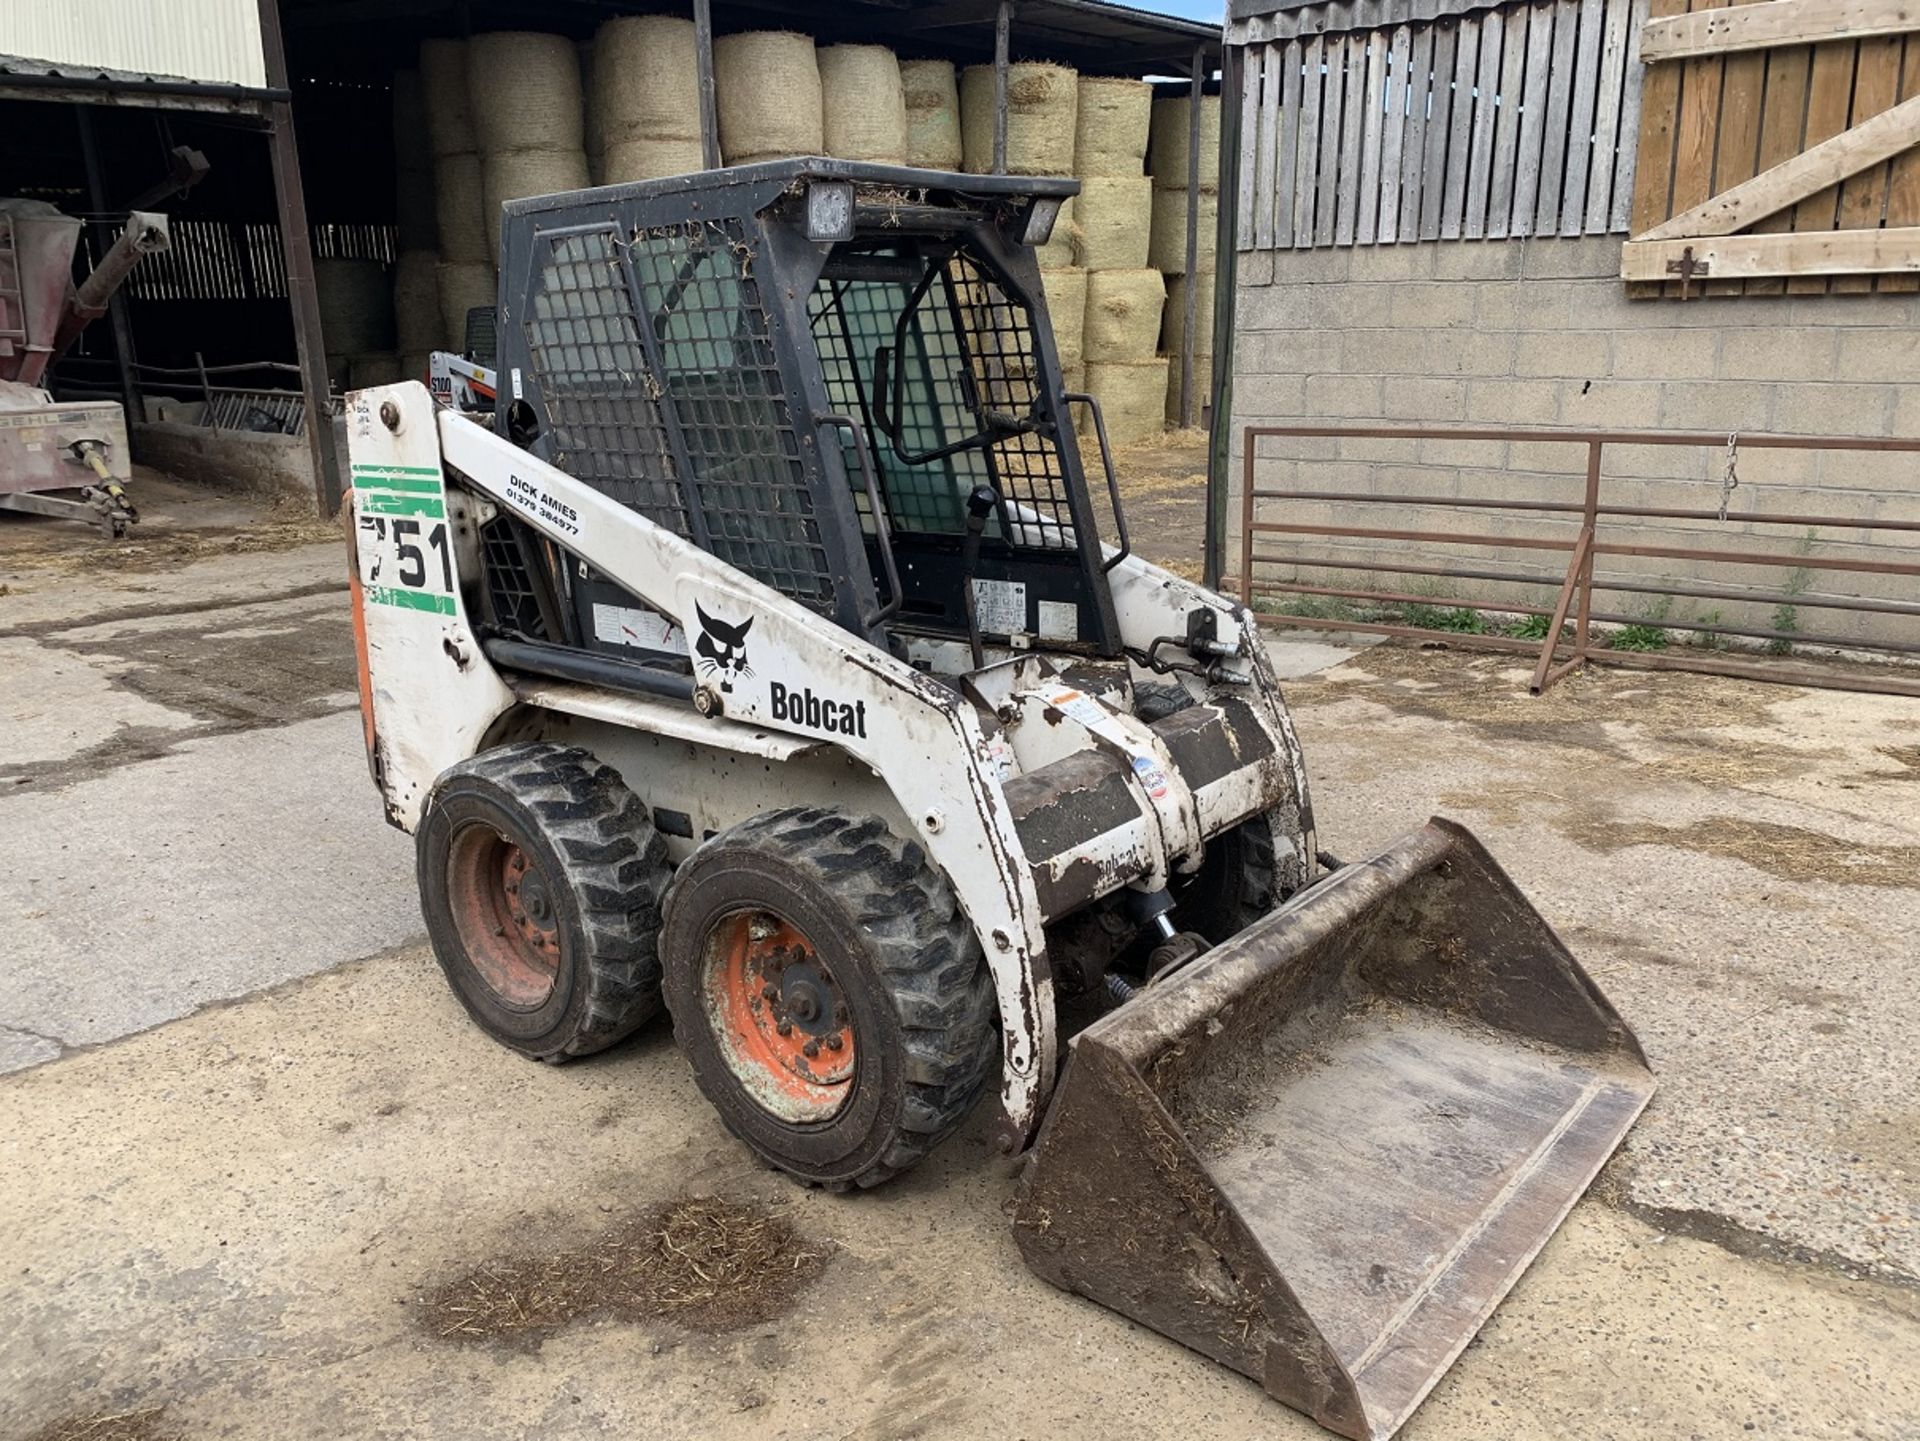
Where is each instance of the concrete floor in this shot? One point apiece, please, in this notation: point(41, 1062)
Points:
point(249, 1133)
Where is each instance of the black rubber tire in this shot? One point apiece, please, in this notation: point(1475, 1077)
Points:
point(1239, 881)
point(1235, 886)
point(1155, 700)
point(911, 971)
point(606, 868)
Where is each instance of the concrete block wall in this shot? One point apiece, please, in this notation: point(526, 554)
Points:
point(1540, 332)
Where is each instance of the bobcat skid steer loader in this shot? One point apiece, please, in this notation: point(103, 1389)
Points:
point(765, 663)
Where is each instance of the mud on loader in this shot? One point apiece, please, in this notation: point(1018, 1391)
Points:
point(767, 664)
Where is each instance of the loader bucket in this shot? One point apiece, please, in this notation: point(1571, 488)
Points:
point(1324, 1151)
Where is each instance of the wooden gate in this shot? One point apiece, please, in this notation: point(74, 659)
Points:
point(1777, 149)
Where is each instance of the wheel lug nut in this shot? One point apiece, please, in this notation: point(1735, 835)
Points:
point(785, 1028)
point(834, 1042)
point(769, 992)
point(811, 1049)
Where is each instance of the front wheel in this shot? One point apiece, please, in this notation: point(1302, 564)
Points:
point(829, 995)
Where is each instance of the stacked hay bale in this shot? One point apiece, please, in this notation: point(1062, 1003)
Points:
point(931, 94)
point(413, 165)
point(1066, 289)
point(767, 90)
point(466, 257)
point(593, 137)
point(462, 286)
point(644, 99)
point(1124, 294)
point(356, 319)
point(417, 320)
point(524, 91)
point(416, 304)
point(1041, 104)
point(863, 104)
point(1167, 157)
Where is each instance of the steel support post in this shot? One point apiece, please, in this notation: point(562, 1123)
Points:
point(297, 248)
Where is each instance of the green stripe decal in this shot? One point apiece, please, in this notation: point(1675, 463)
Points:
point(374, 503)
point(427, 470)
point(410, 484)
point(411, 599)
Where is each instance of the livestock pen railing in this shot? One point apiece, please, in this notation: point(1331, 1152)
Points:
point(1325, 574)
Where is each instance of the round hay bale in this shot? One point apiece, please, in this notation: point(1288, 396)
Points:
point(1041, 103)
point(356, 306)
point(1173, 325)
point(648, 159)
point(517, 174)
point(528, 86)
point(1123, 314)
point(413, 165)
point(1112, 216)
point(1132, 396)
point(443, 84)
point(462, 287)
point(1058, 252)
point(1110, 127)
point(378, 368)
point(416, 300)
point(1202, 388)
point(767, 86)
point(1066, 292)
point(645, 80)
point(1167, 238)
point(416, 211)
point(459, 204)
point(1167, 145)
point(412, 151)
point(593, 138)
point(932, 95)
point(863, 106)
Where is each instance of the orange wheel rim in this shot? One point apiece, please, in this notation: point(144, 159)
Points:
point(506, 914)
point(779, 1015)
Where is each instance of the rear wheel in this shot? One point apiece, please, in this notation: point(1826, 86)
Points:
point(830, 997)
point(540, 879)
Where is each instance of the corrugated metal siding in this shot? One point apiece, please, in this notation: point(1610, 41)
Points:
point(212, 41)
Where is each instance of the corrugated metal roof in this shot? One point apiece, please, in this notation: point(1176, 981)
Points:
point(213, 42)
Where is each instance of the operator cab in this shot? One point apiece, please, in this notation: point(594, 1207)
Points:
point(838, 377)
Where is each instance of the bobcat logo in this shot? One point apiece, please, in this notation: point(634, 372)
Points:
point(722, 648)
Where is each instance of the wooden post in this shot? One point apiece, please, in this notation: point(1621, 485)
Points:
point(1194, 91)
point(116, 303)
point(1002, 34)
point(297, 248)
point(703, 70)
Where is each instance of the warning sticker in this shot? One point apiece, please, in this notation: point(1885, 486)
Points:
point(1001, 606)
point(1078, 706)
point(1059, 620)
point(629, 625)
point(1151, 776)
